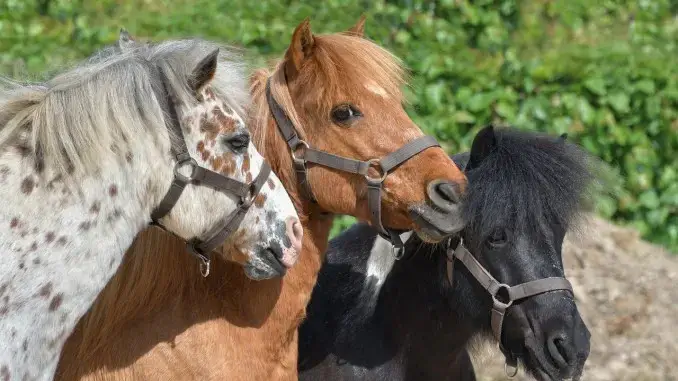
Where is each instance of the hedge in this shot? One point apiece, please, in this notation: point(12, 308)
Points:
point(605, 72)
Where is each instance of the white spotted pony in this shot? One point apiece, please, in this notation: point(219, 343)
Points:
point(89, 157)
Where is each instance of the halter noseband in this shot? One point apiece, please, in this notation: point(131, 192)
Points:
point(205, 177)
point(343, 164)
point(500, 303)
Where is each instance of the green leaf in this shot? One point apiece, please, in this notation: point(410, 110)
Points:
point(586, 112)
point(506, 110)
point(463, 117)
point(595, 85)
point(657, 217)
point(619, 102)
point(646, 86)
point(480, 101)
point(649, 199)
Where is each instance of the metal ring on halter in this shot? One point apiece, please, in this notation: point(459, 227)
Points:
point(375, 163)
point(293, 149)
point(398, 253)
point(498, 302)
point(181, 163)
point(506, 370)
point(246, 201)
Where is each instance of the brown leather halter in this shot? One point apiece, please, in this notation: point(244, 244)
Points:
point(343, 164)
point(501, 301)
point(205, 177)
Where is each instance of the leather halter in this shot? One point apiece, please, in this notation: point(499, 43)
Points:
point(204, 177)
point(374, 184)
point(501, 301)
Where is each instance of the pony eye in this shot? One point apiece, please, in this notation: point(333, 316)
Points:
point(238, 143)
point(498, 238)
point(345, 114)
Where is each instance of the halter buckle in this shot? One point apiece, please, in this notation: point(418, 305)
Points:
point(376, 164)
point(181, 162)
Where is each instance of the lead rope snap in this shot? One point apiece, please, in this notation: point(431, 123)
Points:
point(511, 369)
point(398, 253)
point(204, 267)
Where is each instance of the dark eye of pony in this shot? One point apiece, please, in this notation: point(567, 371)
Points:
point(345, 114)
point(498, 238)
point(238, 143)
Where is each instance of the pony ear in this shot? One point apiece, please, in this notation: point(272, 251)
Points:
point(359, 28)
point(300, 49)
point(204, 71)
point(483, 144)
point(125, 40)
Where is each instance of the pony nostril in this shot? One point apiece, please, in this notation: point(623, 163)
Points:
point(557, 349)
point(295, 233)
point(443, 193)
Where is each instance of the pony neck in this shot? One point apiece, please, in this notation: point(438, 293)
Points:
point(316, 223)
point(64, 242)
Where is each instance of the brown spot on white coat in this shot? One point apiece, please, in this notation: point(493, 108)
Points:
point(27, 185)
point(56, 302)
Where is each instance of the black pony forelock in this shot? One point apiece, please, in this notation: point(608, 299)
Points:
point(529, 179)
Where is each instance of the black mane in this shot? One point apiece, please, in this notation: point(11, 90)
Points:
point(527, 177)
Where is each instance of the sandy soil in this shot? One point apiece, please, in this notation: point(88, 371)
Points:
point(626, 292)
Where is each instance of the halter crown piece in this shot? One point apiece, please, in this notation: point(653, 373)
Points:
point(502, 294)
point(204, 177)
point(383, 165)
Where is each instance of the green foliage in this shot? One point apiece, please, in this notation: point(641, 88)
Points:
point(605, 72)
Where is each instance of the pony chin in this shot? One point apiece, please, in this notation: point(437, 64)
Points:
point(263, 265)
point(536, 362)
point(431, 225)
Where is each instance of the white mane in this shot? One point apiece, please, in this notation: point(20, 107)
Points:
point(96, 109)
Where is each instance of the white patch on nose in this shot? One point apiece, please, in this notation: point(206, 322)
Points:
point(376, 89)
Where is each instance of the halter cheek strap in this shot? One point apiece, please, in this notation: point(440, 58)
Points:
point(205, 177)
point(383, 166)
point(501, 303)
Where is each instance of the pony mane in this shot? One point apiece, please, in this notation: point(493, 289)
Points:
point(92, 111)
point(529, 177)
point(341, 63)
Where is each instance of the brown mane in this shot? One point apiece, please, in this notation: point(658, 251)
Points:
point(343, 62)
point(150, 276)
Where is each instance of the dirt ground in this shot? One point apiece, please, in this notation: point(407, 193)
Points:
point(626, 292)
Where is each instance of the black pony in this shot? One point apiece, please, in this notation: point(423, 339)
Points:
point(374, 318)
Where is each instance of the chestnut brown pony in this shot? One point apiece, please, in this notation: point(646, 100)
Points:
point(342, 94)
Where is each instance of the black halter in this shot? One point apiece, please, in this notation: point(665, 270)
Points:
point(374, 184)
point(203, 176)
point(501, 300)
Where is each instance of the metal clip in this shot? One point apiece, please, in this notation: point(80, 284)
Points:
point(511, 367)
point(398, 253)
point(204, 267)
point(204, 259)
point(514, 370)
